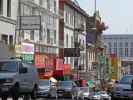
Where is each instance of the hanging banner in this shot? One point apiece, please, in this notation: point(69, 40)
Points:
point(50, 63)
point(59, 64)
point(67, 69)
point(40, 60)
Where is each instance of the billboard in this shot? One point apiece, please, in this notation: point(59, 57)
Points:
point(28, 23)
point(71, 52)
point(90, 38)
point(40, 60)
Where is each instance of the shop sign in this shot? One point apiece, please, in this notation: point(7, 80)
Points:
point(50, 63)
point(27, 48)
point(29, 23)
point(59, 64)
point(67, 69)
point(40, 60)
point(28, 58)
point(91, 83)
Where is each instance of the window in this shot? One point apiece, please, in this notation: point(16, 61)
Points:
point(48, 4)
point(115, 51)
point(110, 51)
point(48, 36)
point(41, 2)
point(55, 36)
point(110, 45)
point(131, 44)
point(8, 8)
point(40, 34)
point(121, 45)
point(72, 42)
point(4, 38)
point(32, 34)
point(120, 52)
point(1, 7)
point(11, 39)
point(55, 6)
point(67, 18)
point(115, 44)
point(131, 51)
point(126, 44)
point(67, 40)
point(126, 52)
point(35, 11)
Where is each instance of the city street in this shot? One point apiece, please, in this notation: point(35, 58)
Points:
point(44, 99)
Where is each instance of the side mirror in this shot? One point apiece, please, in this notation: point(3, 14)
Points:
point(23, 70)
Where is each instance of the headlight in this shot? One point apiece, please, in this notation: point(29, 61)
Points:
point(10, 80)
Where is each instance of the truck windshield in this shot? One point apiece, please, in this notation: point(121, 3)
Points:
point(126, 80)
point(8, 66)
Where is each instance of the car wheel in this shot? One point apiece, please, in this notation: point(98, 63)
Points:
point(15, 92)
point(34, 93)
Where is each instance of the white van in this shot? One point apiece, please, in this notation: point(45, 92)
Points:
point(17, 78)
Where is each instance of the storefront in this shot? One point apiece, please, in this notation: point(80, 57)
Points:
point(26, 51)
point(45, 58)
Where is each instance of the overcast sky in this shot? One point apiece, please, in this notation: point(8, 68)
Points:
point(117, 14)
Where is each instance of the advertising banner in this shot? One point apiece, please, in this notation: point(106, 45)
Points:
point(28, 58)
point(67, 69)
point(50, 63)
point(27, 48)
point(40, 60)
point(59, 64)
point(114, 67)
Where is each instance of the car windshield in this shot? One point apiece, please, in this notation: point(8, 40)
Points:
point(44, 82)
point(84, 89)
point(8, 66)
point(126, 80)
point(66, 83)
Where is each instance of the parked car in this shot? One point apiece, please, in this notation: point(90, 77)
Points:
point(83, 93)
point(123, 89)
point(67, 88)
point(44, 88)
point(17, 78)
point(95, 96)
point(105, 95)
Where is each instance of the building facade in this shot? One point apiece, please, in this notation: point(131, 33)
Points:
point(8, 16)
point(39, 43)
point(122, 46)
point(73, 32)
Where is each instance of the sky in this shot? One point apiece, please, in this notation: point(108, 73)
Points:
point(117, 14)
